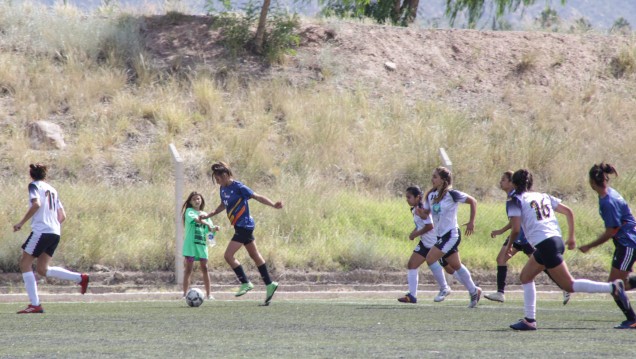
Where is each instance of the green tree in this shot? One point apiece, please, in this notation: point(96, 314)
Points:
point(403, 12)
point(259, 37)
point(621, 26)
point(475, 8)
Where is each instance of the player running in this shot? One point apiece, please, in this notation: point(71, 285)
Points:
point(234, 199)
point(534, 212)
point(47, 215)
point(442, 202)
point(518, 245)
point(427, 238)
point(620, 226)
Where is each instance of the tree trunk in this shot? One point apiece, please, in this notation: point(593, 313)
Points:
point(411, 7)
point(260, 30)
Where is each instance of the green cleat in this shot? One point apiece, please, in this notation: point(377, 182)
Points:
point(271, 289)
point(245, 287)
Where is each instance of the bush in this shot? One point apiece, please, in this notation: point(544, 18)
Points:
point(280, 36)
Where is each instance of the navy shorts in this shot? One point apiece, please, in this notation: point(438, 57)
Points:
point(549, 252)
point(624, 257)
point(524, 247)
point(243, 235)
point(449, 244)
point(39, 243)
point(423, 251)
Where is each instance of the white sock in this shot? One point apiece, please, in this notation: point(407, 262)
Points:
point(61, 273)
point(529, 300)
point(31, 287)
point(438, 273)
point(466, 279)
point(458, 278)
point(413, 279)
point(588, 286)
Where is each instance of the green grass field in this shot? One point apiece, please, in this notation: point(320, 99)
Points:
point(342, 328)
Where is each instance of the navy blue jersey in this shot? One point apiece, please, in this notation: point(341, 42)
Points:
point(235, 197)
point(616, 214)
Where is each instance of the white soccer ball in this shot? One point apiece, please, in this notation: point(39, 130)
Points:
point(194, 297)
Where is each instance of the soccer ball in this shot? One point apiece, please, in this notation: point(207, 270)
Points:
point(194, 297)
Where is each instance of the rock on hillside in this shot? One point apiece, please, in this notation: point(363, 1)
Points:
point(465, 68)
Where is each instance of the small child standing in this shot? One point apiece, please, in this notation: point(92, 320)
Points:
point(195, 246)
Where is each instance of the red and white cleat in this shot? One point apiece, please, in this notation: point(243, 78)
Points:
point(31, 309)
point(84, 283)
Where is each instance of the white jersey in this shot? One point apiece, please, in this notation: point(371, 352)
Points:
point(45, 219)
point(429, 238)
point(445, 212)
point(538, 220)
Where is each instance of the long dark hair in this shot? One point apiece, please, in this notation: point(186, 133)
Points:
point(38, 171)
point(220, 168)
point(599, 173)
point(522, 180)
point(446, 176)
point(415, 191)
point(187, 204)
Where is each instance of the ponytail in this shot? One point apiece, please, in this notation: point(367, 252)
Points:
point(447, 177)
point(522, 180)
point(38, 171)
point(599, 173)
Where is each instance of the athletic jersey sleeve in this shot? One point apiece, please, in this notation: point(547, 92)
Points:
point(427, 204)
point(458, 196)
point(554, 202)
point(190, 215)
point(33, 191)
point(246, 192)
point(513, 207)
point(611, 214)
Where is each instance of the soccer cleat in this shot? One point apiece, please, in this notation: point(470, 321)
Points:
point(245, 287)
point(408, 298)
point(443, 293)
point(32, 309)
point(626, 324)
point(496, 297)
point(271, 289)
point(618, 293)
point(566, 297)
point(474, 298)
point(523, 324)
point(84, 283)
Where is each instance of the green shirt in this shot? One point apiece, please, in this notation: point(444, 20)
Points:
point(195, 238)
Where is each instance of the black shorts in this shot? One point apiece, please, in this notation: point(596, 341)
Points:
point(423, 251)
point(524, 247)
point(243, 235)
point(448, 244)
point(624, 257)
point(549, 253)
point(39, 243)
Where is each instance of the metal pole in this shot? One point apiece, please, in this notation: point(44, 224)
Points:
point(178, 197)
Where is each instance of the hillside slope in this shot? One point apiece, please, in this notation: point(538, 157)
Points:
point(466, 68)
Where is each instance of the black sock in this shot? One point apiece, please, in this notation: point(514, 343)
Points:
point(629, 312)
point(632, 282)
point(502, 272)
point(263, 270)
point(530, 320)
point(240, 274)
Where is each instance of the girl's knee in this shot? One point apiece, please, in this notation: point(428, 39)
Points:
point(41, 271)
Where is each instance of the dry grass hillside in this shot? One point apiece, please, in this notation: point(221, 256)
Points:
point(337, 130)
point(469, 69)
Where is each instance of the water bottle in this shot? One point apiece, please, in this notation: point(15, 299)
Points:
point(211, 240)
